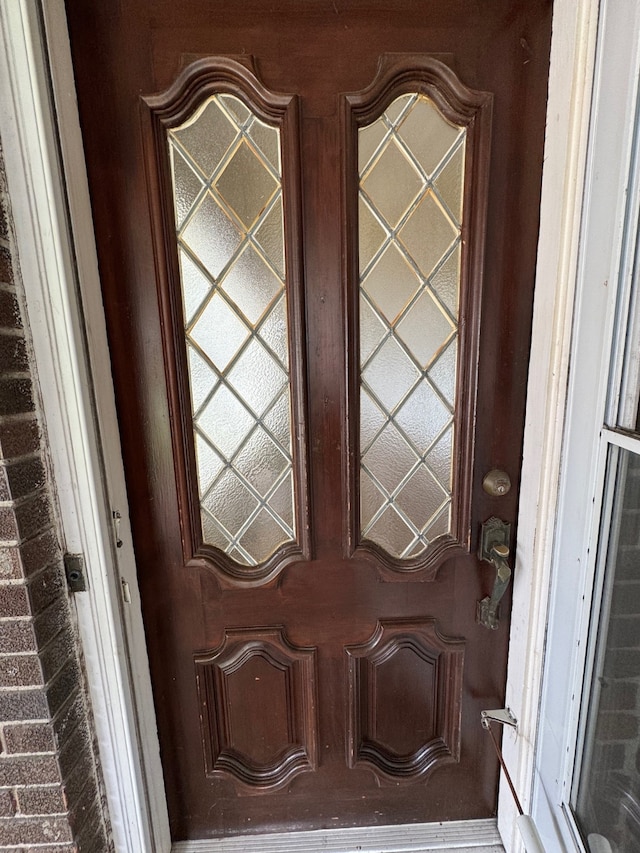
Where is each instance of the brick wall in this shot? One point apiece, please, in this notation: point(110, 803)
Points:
point(50, 794)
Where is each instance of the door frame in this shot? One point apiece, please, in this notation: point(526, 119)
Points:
point(607, 270)
point(57, 251)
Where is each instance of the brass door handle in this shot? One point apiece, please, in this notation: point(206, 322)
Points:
point(494, 548)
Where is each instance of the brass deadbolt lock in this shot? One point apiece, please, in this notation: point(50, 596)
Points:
point(496, 483)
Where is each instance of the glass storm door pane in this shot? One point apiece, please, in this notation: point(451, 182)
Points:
point(227, 190)
point(608, 798)
point(411, 164)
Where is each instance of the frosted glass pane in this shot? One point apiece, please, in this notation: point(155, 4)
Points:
point(391, 532)
point(205, 332)
point(450, 183)
point(390, 374)
point(264, 535)
point(372, 420)
point(446, 282)
point(257, 378)
point(188, 185)
point(429, 218)
point(391, 283)
point(260, 462)
point(196, 286)
point(425, 329)
point(427, 134)
point(229, 218)
point(372, 330)
point(372, 235)
point(392, 183)
point(389, 459)
point(277, 421)
point(230, 502)
point(205, 137)
point(423, 417)
point(372, 500)
point(211, 235)
point(411, 210)
point(246, 184)
point(251, 285)
point(269, 236)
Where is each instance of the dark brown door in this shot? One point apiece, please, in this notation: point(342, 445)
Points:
point(311, 621)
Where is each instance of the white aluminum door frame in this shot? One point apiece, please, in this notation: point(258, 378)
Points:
point(65, 311)
point(607, 255)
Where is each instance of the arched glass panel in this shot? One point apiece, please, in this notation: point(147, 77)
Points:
point(411, 180)
point(227, 192)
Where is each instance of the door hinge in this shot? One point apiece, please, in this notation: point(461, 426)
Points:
point(75, 572)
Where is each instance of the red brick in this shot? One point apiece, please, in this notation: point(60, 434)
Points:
point(57, 653)
point(23, 705)
point(17, 636)
point(41, 770)
point(13, 601)
point(41, 801)
point(20, 478)
point(34, 830)
point(33, 515)
point(6, 269)
point(16, 396)
point(10, 563)
point(20, 671)
point(7, 803)
point(8, 525)
point(13, 353)
point(64, 685)
point(52, 620)
point(10, 317)
point(18, 437)
point(41, 551)
point(28, 737)
point(45, 587)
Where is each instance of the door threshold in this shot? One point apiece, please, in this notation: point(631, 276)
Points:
point(461, 836)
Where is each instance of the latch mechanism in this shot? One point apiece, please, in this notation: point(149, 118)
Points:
point(494, 548)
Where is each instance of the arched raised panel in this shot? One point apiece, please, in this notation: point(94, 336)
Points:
point(405, 694)
point(417, 149)
point(223, 178)
point(257, 696)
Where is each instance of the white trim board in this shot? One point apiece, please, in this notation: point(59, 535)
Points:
point(575, 24)
point(86, 453)
point(114, 651)
point(465, 836)
point(607, 257)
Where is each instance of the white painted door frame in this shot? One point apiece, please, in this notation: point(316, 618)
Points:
point(608, 254)
point(59, 270)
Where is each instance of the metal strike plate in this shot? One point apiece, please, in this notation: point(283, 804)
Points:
point(74, 570)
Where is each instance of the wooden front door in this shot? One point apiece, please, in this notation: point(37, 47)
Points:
point(317, 229)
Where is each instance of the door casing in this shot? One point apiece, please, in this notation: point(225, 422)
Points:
point(87, 453)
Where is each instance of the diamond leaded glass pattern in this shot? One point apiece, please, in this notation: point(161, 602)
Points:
point(228, 208)
point(411, 163)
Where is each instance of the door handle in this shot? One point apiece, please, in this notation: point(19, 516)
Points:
point(494, 548)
